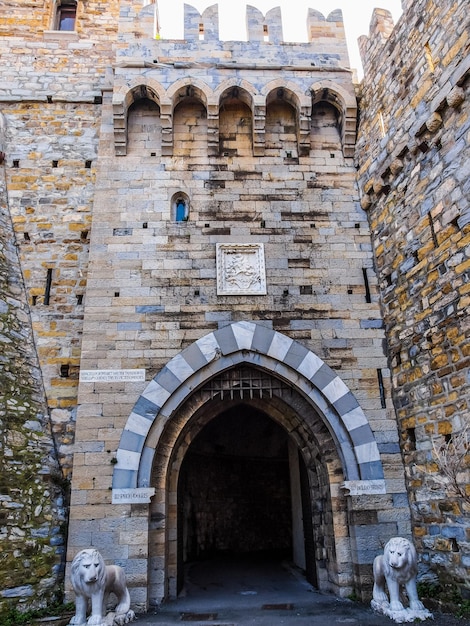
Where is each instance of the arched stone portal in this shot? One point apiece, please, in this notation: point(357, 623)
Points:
point(294, 437)
point(248, 365)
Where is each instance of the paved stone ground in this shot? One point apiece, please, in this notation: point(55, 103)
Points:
point(322, 614)
point(263, 595)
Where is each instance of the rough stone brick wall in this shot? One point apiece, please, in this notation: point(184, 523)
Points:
point(32, 513)
point(50, 95)
point(24, 19)
point(414, 165)
point(51, 184)
point(32, 19)
point(50, 92)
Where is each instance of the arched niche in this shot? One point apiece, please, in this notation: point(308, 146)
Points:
point(144, 128)
point(191, 123)
point(282, 124)
point(346, 105)
point(325, 127)
point(236, 122)
point(124, 98)
point(284, 102)
point(248, 95)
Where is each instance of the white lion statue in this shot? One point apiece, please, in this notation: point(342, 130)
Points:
point(397, 568)
point(92, 582)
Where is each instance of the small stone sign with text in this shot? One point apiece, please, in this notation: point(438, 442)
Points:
point(139, 495)
point(112, 376)
point(364, 487)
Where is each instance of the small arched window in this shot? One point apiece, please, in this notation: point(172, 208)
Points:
point(180, 206)
point(66, 14)
point(180, 210)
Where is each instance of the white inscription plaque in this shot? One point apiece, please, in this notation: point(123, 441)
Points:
point(139, 495)
point(240, 269)
point(111, 376)
point(364, 487)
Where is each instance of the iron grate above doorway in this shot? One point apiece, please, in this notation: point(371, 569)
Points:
point(245, 383)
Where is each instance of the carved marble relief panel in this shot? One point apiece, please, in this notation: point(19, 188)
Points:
point(240, 269)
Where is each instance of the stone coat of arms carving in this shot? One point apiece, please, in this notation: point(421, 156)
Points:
point(240, 269)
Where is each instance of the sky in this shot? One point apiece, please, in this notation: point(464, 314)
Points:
point(356, 14)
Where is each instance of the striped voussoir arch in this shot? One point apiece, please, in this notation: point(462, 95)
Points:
point(255, 344)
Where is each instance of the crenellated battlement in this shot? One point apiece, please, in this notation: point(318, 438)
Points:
point(140, 38)
point(260, 27)
point(201, 26)
point(204, 27)
point(380, 29)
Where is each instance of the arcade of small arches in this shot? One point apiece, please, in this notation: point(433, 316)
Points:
point(238, 119)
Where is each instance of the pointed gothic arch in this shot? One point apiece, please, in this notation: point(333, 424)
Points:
point(321, 418)
point(251, 343)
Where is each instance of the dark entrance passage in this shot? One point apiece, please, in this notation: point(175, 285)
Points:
point(234, 488)
point(234, 494)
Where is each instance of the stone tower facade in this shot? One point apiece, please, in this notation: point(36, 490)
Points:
point(200, 281)
point(414, 164)
point(224, 214)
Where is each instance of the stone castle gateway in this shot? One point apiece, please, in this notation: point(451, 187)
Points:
point(251, 370)
point(262, 165)
point(210, 364)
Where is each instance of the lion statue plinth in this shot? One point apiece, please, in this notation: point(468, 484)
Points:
point(92, 582)
point(397, 568)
